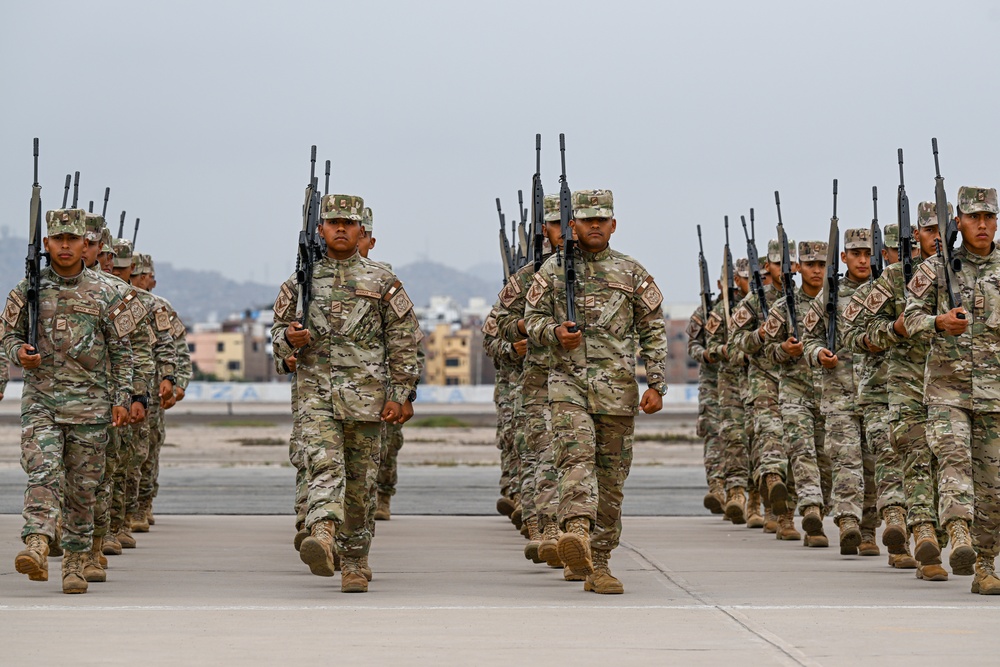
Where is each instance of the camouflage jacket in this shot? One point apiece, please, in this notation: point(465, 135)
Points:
point(508, 310)
point(798, 382)
point(872, 372)
point(708, 373)
point(618, 309)
point(141, 358)
point(363, 351)
point(962, 371)
point(762, 375)
point(4, 370)
point(178, 331)
point(840, 384)
point(83, 329)
point(156, 340)
point(906, 357)
point(733, 384)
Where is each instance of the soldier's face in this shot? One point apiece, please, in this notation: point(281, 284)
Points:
point(65, 251)
point(774, 270)
point(91, 250)
point(813, 273)
point(107, 262)
point(978, 230)
point(125, 273)
point(553, 231)
point(593, 234)
point(766, 278)
point(365, 243)
point(742, 284)
point(341, 236)
point(925, 239)
point(858, 261)
point(890, 255)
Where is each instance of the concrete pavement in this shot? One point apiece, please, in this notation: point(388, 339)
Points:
point(210, 590)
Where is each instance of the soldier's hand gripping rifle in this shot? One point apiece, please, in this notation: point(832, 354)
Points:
point(787, 277)
point(903, 218)
point(756, 279)
point(706, 285)
point(832, 276)
point(569, 260)
point(537, 207)
point(308, 250)
point(878, 264)
point(506, 256)
point(33, 262)
point(952, 265)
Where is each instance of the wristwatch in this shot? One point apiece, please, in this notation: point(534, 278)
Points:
point(171, 378)
point(141, 398)
point(413, 396)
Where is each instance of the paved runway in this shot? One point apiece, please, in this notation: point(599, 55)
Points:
point(222, 590)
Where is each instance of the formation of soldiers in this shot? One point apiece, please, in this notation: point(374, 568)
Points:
point(896, 426)
point(103, 358)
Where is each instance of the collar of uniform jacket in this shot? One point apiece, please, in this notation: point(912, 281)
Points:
point(595, 256)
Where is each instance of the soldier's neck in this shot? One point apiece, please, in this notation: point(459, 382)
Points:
point(71, 272)
point(810, 291)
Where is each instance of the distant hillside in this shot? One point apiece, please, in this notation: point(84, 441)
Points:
point(425, 279)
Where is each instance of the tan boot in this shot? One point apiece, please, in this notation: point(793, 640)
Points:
point(927, 549)
point(316, 551)
point(505, 506)
point(574, 546)
point(903, 561)
point(111, 546)
point(777, 492)
point(868, 547)
point(138, 521)
point(382, 512)
point(963, 556)
point(300, 535)
point(736, 505)
point(149, 515)
point(125, 538)
point(602, 581)
point(55, 544)
point(850, 535)
point(754, 517)
point(986, 581)
point(547, 547)
point(515, 517)
point(33, 560)
point(770, 522)
point(534, 541)
point(895, 536)
point(72, 572)
point(570, 575)
point(365, 568)
point(812, 523)
point(714, 500)
point(352, 579)
point(929, 571)
point(786, 527)
point(91, 566)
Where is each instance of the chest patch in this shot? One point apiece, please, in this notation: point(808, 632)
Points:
point(367, 293)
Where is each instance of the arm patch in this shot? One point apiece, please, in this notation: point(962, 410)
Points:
point(509, 292)
point(876, 299)
point(922, 279)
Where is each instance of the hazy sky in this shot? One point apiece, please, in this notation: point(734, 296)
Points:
point(199, 115)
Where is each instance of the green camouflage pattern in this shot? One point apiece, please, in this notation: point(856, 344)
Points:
point(708, 396)
point(343, 207)
point(4, 371)
point(973, 199)
point(593, 204)
point(367, 221)
point(890, 236)
point(550, 208)
point(812, 251)
point(774, 251)
point(840, 385)
point(735, 429)
point(106, 241)
point(743, 267)
point(123, 253)
point(66, 221)
point(927, 213)
point(388, 470)
point(93, 227)
point(858, 238)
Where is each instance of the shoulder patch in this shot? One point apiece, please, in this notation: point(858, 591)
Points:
point(400, 302)
point(13, 311)
point(509, 292)
point(742, 316)
point(161, 317)
point(876, 299)
point(536, 291)
point(811, 319)
point(177, 328)
point(713, 323)
point(135, 306)
point(852, 310)
point(650, 295)
point(922, 279)
point(774, 321)
point(490, 327)
point(284, 302)
point(122, 320)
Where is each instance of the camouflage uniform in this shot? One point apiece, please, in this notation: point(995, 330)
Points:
point(66, 403)
point(4, 372)
point(961, 385)
point(708, 402)
point(507, 364)
point(592, 389)
point(362, 354)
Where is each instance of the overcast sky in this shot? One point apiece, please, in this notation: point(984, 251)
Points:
point(199, 115)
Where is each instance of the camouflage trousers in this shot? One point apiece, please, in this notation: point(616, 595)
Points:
point(342, 457)
point(908, 437)
point(538, 432)
point(150, 470)
point(767, 434)
point(852, 462)
point(388, 473)
point(593, 456)
point(527, 461)
point(708, 429)
point(952, 433)
point(804, 436)
point(888, 474)
point(64, 463)
point(297, 457)
point(104, 508)
point(509, 473)
point(735, 437)
point(119, 481)
point(133, 469)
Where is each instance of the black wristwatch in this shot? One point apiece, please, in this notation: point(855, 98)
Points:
point(141, 398)
point(413, 396)
point(171, 378)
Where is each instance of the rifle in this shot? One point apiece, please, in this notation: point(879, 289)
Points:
point(33, 262)
point(565, 213)
point(506, 258)
point(729, 289)
point(121, 226)
point(756, 279)
point(135, 234)
point(787, 278)
point(107, 193)
point(832, 276)
point(90, 206)
point(878, 264)
point(308, 245)
point(76, 188)
point(537, 206)
point(706, 285)
point(69, 179)
point(522, 233)
point(905, 231)
point(326, 185)
point(951, 264)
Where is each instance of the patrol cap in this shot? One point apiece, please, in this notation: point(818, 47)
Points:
point(927, 213)
point(550, 208)
point(890, 236)
point(593, 204)
point(106, 241)
point(812, 251)
point(123, 253)
point(140, 264)
point(66, 221)
point(150, 265)
point(343, 207)
point(743, 267)
point(773, 251)
point(972, 199)
point(793, 250)
point(858, 238)
point(762, 262)
point(94, 224)
point(366, 219)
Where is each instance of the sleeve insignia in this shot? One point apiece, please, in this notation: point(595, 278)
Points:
point(852, 310)
point(490, 327)
point(622, 286)
point(509, 292)
point(538, 278)
point(773, 324)
point(122, 320)
point(651, 295)
point(811, 319)
point(284, 302)
point(177, 328)
point(876, 299)
point(12, 312)
point(161, 317)
point(367, 293)
point(536, 291)
point(742, 316)
point(135, 306)
point(400, 303)
point(713, 323)
point(922, 279)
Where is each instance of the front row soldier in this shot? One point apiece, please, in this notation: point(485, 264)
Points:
point(356, 363)
point(798, 390)
point(71, 396)
point(962, 384)
point(592, 386)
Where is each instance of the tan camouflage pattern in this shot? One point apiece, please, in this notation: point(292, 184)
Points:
point(890, 236)
point(858, 238)
point(743, 267)
point(66, 221)
point(123, 253)
point(367, 221)
point(343, 207)
point(550, 208)
point(4, 371)
point(774, 251)
point(812, 251)
point(708, 396)
point(94, 227)
point(973, 199)
point(106, 241)
point(927, 213)
point(593, 204)
point(735, 430)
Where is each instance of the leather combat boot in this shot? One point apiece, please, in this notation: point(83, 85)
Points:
point(754, 517)
point(72, 572)
point(868, 547)
point(91, 566)
point(930, 571)
point(986, 581)
point(895, 536)
point(382, 512)
point(602, 581)
point(963, 556)
point(33, 559)
point(352, 580)
point(850, 535)
point(534, 541)
point(736, 505)
point(547, 547)
point(505, 506)
point(316, 550)
point(714, 500)
point(777, 493)
point(927, 549)
point(786, 527)
point(574, 546)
